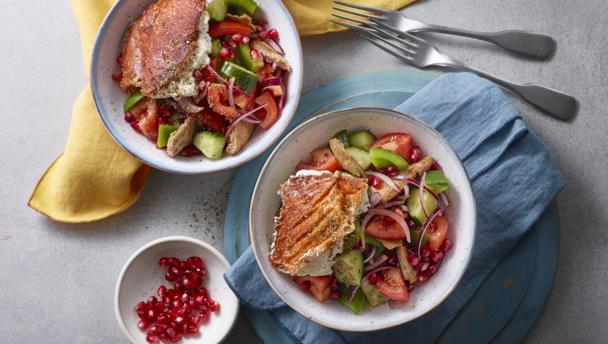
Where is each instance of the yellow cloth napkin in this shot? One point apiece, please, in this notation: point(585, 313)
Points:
point(94, 178)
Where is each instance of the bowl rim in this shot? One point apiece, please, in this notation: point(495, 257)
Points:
point(338, 112)
point(156, 242)
point(93, 81)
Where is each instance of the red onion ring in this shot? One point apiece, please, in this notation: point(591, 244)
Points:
point(394, 216)
point(421, 194)
point(242, 118)
point(425, 228)
point(445, 199)
point(375, 198)
point(371, 255)
point(385, 179)
point(283, 96)
point(392, 204)
point(435, 196)
point(231, 95)
point(377, 270)
point(383, 258)
point(270, 82)
point(353, 293)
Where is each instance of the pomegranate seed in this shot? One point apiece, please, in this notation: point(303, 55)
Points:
point(335, 294)
point(215, 307)
point(446, 246)
point(150, 338)
point(129, 118)
point(224, 53)
point(273, 34)
point(255, 54)
point(143, 325)
point(432, 269)
point(425, 252)
point(416, 154)
point(175, 338)
point(198, 75)
point(177, 304)
point(162, 120)
point(172, 261)
point(372, 278)
point(135, 127)
point(245, 40)
point(142, 313)
point(374, 181)
point(152, 314)
point(199, 300)
point(437, 256)
point(170, 277)
point(183, 265)
point(305, 286)
point(178, 287)
point(153, 300)
point(204, 318)
point(196, 261)
point(435, 166)
point(140, 306)
point(391, 170)
point(191, 330)
point(423, 278)
point(413, 260)
point(194, 320)
point(171, 331)
point(424, 266)
point(237, 38)
point(162, 290)
point(163, 319)
point(176, 271)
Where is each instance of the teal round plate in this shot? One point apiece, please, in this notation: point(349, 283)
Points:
point(507, 304)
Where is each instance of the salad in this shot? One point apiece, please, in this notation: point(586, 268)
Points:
point(398, 232)
point(200, 77)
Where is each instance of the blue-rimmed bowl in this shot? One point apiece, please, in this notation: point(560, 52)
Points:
point(109, 98)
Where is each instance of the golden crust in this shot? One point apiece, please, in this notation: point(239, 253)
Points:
point(158, 46)
point(318, 211)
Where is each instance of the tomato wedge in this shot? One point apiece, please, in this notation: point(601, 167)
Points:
point(146, 112)
point(396, 142)
point(318, 286)
point(228, 28)
point(322, 160)
point(270, 113)
point(392, 285)
point(384, 227)
point(438, 232)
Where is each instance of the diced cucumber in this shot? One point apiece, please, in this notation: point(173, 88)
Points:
point(248, 7)
point(216, 46)
point(242, 76)
point(164, 130)
point(415, 233)
point(348, 267)
point(357, 303)
point(362, 139)
point(217, 10)
point(210, 143)
point(414, 207)
point(373, 295)
point(381, 158)
point(360, 156)
point(342, 136)
point(132, 100)
point(436, 181)
point(244, 54)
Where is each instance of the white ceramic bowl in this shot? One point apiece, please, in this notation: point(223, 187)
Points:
point(316, 132)
point(109, 98)
point(141, 276)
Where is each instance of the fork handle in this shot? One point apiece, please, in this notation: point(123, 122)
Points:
point(554, 102)
point(537, 45)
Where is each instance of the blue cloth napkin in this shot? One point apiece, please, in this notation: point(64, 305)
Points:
point(513, 180)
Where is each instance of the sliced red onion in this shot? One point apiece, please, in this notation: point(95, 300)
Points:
point(276, 90)
point(393, 216)
point(445, 199)
point(374, 199)
point(392, 204)
point(252, 119)
point(385, 179)
point(396, 304)
point(371, 255)
point(275, 45)
point(242, 117)
point(231, 95)
point(377, 270)
point(383, 258)
point(188, 106)
point(283, 95)
point(421, 194)
point(217, 76)
point(425, 228)
point(435, 196)
point(270, 82)
point(353, 293)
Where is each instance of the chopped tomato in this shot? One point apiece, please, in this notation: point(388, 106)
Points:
point(392, 285)
point(438, 232)
point(244, 101)
point(384, 227)
point(322, 160)
point(215, 122)
point(319, 286)
point(269, 114)
point(146, 112)
point(265, 72)
point(228, 28)
point(217, 96)
point(396, 142)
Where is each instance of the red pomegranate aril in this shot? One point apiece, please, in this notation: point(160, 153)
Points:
point(435, 166)
point(178, 287)
point(171, 331)
point(273, 34)
point(423, 278)
point(140, 306)
point(162, 290)
point(151, 314)
point(143, 325)
point(192, 330)
point(176, 338)
point(245, 40)
point(176, 271)
point(170, 277)
point(188, 309)
point(424, 266)
point(153, 300)
point(163, 319)
point(437, 256)
point(416, 154)
point(199, 300)
point(179, 319)
point(334, 294)
point(164, 337)
point(432, 269)
point(372, 278)
point(255, 54)
point(177, 303)
point(135, 126)
point(425, 253)
point(391, 171)
point(446, 246)
point(196, 261)
point(224, 53)
point(198, 75)
point(150, 338)
point(374, 181)
point(413, 260)
point(185, 298)
point(305, 286)
point(172, 261)
point(129, 118)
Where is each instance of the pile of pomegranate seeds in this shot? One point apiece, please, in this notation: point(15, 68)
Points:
point(178, 311)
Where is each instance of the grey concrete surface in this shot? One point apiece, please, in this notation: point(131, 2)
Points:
point(57, 280)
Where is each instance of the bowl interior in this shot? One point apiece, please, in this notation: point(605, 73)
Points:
point(316, 133)
point(109, 98)
point(142, 276)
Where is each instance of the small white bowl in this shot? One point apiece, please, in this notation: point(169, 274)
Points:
point(141, 276)
point(315, 133)
point(109, 98)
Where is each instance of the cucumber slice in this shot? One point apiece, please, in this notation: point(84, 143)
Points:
point(436, 181)
point(373, 295)
point(360, 156)
point(244, 54)
point(357, 303)
point(248, 7)
point(132, 100)
point(362, 139)
point(164, 130)
point(414, 207)
point(348, 268)
point(242, 76)
point(211, 144)
point(415, 233)
point(342, 136)
point(217, 10)
point(381, 158)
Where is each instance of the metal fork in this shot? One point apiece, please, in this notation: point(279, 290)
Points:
point(422, 54)
point(536, 45)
